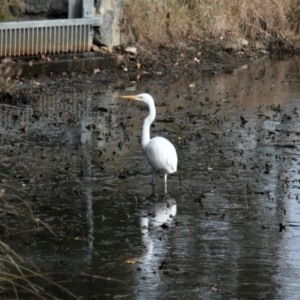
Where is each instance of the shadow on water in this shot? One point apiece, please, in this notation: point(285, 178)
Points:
point(73, 151)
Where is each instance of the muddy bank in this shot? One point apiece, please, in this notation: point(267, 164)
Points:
point(227, 54)
point(135, 61)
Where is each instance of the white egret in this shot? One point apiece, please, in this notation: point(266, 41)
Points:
point(161, 154)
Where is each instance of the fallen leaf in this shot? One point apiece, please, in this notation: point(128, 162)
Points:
point(131, 261)
point(8, 60)
point(214, 289)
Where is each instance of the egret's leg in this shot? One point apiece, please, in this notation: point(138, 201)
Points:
point(165, 180)
point(153, 179)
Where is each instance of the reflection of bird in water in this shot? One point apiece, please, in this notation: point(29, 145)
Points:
point(156, 247)
point(155, 215)
point(161, 154)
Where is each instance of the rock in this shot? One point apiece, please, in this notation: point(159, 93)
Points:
point(259, 45)
point(234, 44)
point(104, 50)
point(131, 50)
point(8, 60)
point(37, 7)
point(109, 32)
point(106, 30)
point(96, 48)
point(243, 42)
point(59, 8)
point(231, 46)
point(264, 52)
point(119, 60)
point(18, 8)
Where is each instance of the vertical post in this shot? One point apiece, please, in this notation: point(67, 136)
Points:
point(75, 9)
point(88, 8)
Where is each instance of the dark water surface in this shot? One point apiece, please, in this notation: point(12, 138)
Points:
point(73, 155)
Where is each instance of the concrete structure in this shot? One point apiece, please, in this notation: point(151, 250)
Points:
point(105, 31)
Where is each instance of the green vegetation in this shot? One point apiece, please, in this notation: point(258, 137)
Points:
point(156, 22)
point(5, 5)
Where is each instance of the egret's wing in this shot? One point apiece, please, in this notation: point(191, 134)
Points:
point(161, 155)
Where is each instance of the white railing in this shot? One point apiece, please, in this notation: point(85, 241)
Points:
point(51, 36)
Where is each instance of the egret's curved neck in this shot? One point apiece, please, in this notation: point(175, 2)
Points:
point(146, 126)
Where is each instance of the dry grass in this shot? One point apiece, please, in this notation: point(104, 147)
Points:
point(15, 274)
point(160, 22)
point(16, 278)
point(293, 16)
point(19, 278)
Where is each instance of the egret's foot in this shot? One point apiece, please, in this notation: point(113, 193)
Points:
point(153, 195)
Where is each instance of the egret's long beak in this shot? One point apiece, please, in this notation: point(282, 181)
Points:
point(130, 97)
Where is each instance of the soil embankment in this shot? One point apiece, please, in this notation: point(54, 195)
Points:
point(189, 34)
point(202, 55)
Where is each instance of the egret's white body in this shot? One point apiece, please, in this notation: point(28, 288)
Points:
point(160, 153)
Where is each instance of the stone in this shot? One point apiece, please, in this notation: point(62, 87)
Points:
point(96, 48)
point(101, 50)
point(119, 60)
point(234, 44)
point(259, 45)
point(243, 42)
point(131, 49)
point(109, 32)
point(230, 46)
point(18, 8)
point(37, 7)
point(264, 52)
point(59, 8)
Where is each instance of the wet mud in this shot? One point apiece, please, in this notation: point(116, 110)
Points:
point(228, 227)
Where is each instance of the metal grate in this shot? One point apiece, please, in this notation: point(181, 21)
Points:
point(49, 36)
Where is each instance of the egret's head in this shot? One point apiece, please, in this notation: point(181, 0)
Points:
point(141, 97)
